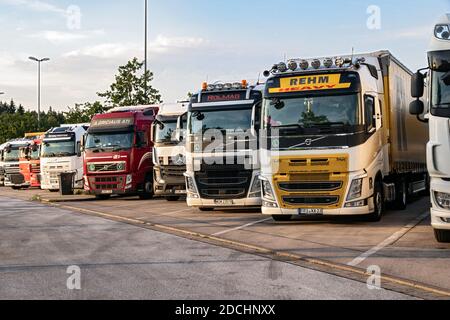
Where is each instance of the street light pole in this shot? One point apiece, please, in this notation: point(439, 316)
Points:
point(145, 45)
point(39, 61)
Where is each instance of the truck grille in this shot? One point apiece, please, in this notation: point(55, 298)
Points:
point(173, 172)
point(35, 168)
point(16, 179)
point(106, 167)
point(107, 183)
point(12, 169)
point(311, 200)
point(311, 186)
point(223, 181)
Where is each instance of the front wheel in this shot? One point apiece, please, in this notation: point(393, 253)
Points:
point(148, 190)
point(206, 209)
point(401, 197)
point(378, 200)
point(442, 236)
point(102, 196)
point(173, 198)
point(281, 218)
point(16, 188)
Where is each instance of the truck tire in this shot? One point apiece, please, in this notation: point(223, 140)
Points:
point(281, 218)
point(401, 195)
point(148, 189)
point(173, 198)
point(16, 188)
point(206, 209)
point(442, 236)
point(102, 196)
point(379, 204)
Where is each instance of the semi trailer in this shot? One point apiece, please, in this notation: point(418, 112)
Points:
point(222, 146)
point(434, 108)
point(169, 152)
point(340, 140)
point(61, 153)
point(118, 153)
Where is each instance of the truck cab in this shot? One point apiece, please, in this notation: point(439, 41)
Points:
point(2, 169)
point(169, 152)
point(222, 146)
point(339, 139)
point(30, 163)
point(435, 109)
point(118, 153)
point(61, 153)
point(11, 157)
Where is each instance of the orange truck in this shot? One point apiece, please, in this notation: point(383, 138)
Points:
point(29, 160)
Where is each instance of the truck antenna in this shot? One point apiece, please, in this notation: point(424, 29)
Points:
point(259, 78)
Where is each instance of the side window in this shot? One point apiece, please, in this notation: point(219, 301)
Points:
point(141, 140)
point(79, 149)
point(369, 112)
point(258, 116)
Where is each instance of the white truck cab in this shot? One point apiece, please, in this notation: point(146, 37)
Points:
point(60, 153)
point(2, 169)
point(437, 114)
point(169, 152)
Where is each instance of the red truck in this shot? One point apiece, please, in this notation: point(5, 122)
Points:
point(30, 163)
point(118, 153)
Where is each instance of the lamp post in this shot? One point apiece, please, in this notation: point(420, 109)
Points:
point(39, 61)
point(145, 44)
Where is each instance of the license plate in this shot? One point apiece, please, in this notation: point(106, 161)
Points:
point(224, 202)
point(180, 191)
point(107, 191)
point(311, 212)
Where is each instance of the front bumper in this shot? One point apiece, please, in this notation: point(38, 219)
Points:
point(169, 181)
point(439, 216)
point(355, 211)
point(16, 180)
point(109, 185)
point(210, 203)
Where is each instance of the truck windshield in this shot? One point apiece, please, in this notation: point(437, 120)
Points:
point(62, 148)
point(309, 112)
point(166, 133)
point(117, 141)
point(441, 91)
point(11, 155)
point(224, 120)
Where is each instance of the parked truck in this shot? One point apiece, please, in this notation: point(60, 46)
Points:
point(118, 153)
point(222, 146)
point(436, 111)
point(61, 153)
point(2, 164)
point(340, 140)
point(29, 160)
point(11, 154)
point(169, 152)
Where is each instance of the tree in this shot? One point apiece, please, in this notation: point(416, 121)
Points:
point(131, 87)
point(83, 113)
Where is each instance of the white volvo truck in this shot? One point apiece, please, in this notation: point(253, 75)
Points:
point(222, 146)
point(169, 152)
point(437, 109)
point(61, 153)
point(340, 138)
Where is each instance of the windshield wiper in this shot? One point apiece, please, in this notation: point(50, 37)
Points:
point(288, 126)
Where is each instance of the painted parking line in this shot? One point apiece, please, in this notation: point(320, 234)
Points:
point(241, 227)
point(389, 241)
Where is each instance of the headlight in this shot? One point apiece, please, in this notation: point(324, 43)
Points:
point(190, 185)
point(255, 190)
point(129, 179)
point(443, 200)
point(267, 190)
point(355, 190)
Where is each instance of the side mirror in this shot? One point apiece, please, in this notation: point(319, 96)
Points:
point(416, 107)
point(417, 85)
point(180, 127)
point(153, 132)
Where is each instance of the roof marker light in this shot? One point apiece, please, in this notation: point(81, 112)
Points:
point(328, 63)
point(304, 64)
point(316, 64)
point(282, 67)
point(292, 65)
point(204, 86)
point(244, 84)
point(339, 62)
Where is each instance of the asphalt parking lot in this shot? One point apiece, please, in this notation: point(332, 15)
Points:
point(402, 245)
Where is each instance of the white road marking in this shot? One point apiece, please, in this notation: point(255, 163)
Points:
point(241, 227)
point(389, 241)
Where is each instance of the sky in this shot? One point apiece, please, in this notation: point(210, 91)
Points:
point(191, 41)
